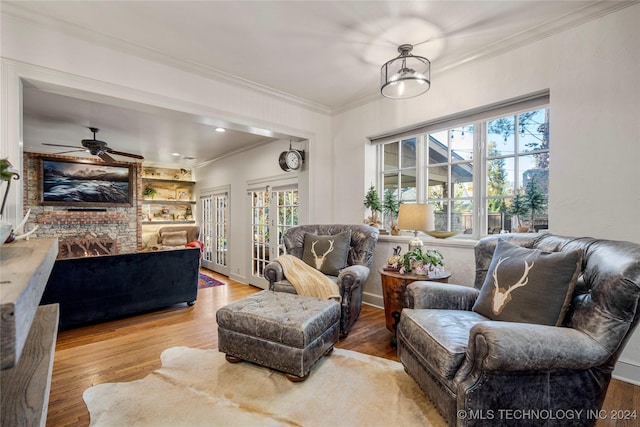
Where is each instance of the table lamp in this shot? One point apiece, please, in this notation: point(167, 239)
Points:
point(415, 217)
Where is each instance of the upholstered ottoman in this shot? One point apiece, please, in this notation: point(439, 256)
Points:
point(282, 331)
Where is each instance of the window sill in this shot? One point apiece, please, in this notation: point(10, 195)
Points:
point(454, 242)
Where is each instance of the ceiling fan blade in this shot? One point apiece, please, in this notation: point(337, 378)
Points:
point(72, 151)
point(60, 145)
point(107, 158)
point(120, 153)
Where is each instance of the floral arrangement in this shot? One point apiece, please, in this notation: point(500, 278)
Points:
point(422, 262)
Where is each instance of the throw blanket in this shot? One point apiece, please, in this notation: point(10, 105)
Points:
point(307, 280)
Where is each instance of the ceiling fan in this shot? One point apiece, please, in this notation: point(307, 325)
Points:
point(97, 148)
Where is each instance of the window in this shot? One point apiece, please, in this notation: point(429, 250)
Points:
point(472, 167)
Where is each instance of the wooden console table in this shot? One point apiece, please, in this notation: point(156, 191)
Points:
point(394, 287)
point(28, 331)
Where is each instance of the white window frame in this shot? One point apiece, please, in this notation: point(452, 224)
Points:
point(477, 118)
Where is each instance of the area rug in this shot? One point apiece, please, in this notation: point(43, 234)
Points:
point(205, 281)
point(200, 388)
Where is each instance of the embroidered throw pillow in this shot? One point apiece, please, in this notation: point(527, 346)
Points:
point(327, 253)
point(528, 285)
point(174, 238)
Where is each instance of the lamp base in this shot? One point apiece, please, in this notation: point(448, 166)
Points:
point(415, 243)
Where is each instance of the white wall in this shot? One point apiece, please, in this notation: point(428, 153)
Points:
point(592, 74)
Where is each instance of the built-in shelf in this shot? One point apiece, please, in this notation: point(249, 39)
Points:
point(174, 201)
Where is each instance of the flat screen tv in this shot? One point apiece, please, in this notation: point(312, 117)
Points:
point(85, 183)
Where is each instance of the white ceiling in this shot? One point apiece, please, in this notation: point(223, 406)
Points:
point(326, 53)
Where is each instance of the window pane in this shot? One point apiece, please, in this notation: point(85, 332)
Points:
point(408, 153)
point(438, 182)
point(438, 148)
point(440, 216)
point(390, 180)
point(500, 136)
point(408, 186)
point(462, 176)
point(461, 143)
point(462, 216)
point(390, 154)
point(533, 130)
point(500, 177)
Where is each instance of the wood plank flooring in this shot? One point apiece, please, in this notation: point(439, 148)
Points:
point(129, 349)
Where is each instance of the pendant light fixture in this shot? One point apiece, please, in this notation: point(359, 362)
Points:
point(405, 76)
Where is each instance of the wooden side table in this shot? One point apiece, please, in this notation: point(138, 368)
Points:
point(394, 286)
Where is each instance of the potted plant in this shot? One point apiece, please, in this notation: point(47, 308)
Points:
point(518, 209)
point(422, 263)
point(6, 174)
point(149, 192)
point(372, 202)
point(535, 201)
point(391, 207)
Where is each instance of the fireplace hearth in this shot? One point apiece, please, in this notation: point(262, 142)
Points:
point(88, 245)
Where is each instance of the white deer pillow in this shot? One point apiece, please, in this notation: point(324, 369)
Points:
point(327, 253)
point(528, 285)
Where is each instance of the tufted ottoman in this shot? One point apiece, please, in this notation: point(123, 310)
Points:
point(283, 331)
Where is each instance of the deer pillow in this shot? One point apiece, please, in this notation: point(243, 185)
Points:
point(327, 253)
point(528, 285)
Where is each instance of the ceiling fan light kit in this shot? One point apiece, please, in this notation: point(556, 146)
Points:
point(405, 76)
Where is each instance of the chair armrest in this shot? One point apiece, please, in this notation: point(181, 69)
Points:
point(511, 346)
point(423, 294)
point(273, 273)
point(351, 277)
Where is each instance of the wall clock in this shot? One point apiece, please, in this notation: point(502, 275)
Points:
point(291, 160)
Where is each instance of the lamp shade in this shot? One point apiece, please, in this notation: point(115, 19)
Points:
point(405, 76)
point(415, 217)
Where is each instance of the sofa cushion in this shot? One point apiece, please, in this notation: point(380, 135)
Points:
point(174, 238)
point(327, 253)
point(528, 285)
point(440, 335)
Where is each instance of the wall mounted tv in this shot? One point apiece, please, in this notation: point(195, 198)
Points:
point(85, 183)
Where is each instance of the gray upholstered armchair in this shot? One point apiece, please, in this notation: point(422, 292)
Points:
point(350, 279)
point(480, 372)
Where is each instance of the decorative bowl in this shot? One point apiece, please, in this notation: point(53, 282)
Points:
point(441, 234)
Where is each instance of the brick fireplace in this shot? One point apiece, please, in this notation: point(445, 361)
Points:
point(112, 229)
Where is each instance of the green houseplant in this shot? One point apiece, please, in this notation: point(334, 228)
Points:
point(372, 202)
point(391, 207)
point(536, 202)
point(518, 209)
point(149, 192)
point(421, 262)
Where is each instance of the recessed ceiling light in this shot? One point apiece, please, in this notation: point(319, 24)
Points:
point(220, 130)
point(176, 154)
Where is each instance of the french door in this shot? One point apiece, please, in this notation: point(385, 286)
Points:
point(272, 212)
point(215, 222)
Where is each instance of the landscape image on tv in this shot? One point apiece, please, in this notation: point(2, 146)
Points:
point(70, 182)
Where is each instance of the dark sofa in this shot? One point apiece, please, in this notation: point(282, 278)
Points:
point(100, 288)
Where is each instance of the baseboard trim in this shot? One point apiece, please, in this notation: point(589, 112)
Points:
point(238, 278)
point(373, 300)
point(627, 372)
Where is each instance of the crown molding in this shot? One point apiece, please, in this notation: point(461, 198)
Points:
point(121, 45)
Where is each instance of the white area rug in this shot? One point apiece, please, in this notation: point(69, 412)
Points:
point(200, 388)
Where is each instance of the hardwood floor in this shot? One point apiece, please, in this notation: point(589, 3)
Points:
point(129, 349)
